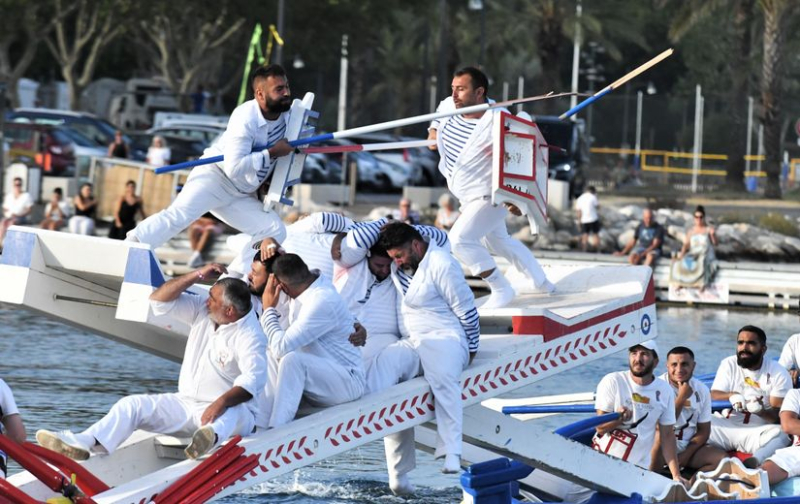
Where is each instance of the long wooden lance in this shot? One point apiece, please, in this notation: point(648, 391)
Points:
point(372, 128)
point(617, 83)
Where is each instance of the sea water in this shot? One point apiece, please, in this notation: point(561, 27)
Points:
point(64, 378)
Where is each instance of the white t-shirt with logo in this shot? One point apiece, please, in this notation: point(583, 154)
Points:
point(696, 409)
point(587, 203)
point(771, 380)
point(792, 403)
point(651, 405)
point(790, 355)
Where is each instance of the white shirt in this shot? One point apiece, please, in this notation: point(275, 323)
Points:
point(319, 324)
point(16, 205)
point(215, 360)
point(651, 405)
point(50, 212)
point(587, 204)
point(789, 354)
point(159, 156)
point(311, 239)
point(8, 406)
point(792, 403)
point(247, 129)
point(696, 409)
point(771, 380)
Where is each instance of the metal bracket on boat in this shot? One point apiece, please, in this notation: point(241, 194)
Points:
point(107, 304)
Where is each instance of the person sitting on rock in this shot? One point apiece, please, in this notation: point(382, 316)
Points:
point(645, 246)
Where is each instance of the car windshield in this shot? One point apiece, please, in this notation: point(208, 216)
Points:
point(77, 137)
point(557, 134)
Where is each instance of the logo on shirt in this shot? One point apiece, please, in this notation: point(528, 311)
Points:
point(751, 382)
point(638, 398)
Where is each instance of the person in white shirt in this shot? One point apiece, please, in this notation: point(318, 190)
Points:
point(224, 368)
point(12, 425)
point(465, 146)
point(785, 462)
point(693, 415)
point(229, 188)
point(790, 356)
point(158, 154)
point(755, 387)
point(586, 207)
point(315, 358)
point(17, 206)
point(56, 211)
point(439, 314)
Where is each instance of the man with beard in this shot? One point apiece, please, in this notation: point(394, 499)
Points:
point(693, 414)
point(223, 370)
point(229, 189)
point(465, 145)
point(439, 314)
point(755, 387)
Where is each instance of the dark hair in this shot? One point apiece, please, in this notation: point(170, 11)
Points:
point(130, 182)
point(269, 263)
point(265, 71)
point(290, 269)
point(397, 234)
point(700, 209)
point(17, 179)
point(681, 350)
point(235, 293)
point(59, 191)
point(762, 336)
point(478, 78)
point(591, 189)
point(378, 250)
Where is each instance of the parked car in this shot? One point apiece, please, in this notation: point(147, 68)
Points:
point(40, 145)
point(568, 163)
point(92, 127)
point(402, 167)
point(202, 132)
point(181, 148)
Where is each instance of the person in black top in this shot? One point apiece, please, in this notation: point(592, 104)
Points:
point(85, 207)
point(128, 206)
point(118, 148)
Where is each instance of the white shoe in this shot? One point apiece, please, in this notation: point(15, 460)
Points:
point(196, 260)
point(452, 464)
point(499, 298)
point(64, 442)
point(401, 485)
point(203, 440)
point(547, 287)
point(130, 237)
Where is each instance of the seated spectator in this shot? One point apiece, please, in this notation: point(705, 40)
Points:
point(12, 425)
point(405, 214)
point(696, 263)
point(158, 154)
point(447, 214)
point(56, 211)
point(202, 233)
point(646, 242)
point(118, 148)
point(128, 205)
point(17, 206)
point(85, 208)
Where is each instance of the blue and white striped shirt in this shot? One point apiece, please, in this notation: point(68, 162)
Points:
point(455, 134)
point(277, 131)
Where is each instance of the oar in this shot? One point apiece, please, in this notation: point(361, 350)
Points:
point(372, 128)
point(337, 149)
point(617, 83)
point(578, 408)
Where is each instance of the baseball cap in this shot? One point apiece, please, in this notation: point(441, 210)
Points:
point(649, 344)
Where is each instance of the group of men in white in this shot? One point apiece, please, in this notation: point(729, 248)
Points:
point(666, 424)
point(331, 309)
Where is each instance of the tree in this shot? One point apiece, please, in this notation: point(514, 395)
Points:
point(82, 30)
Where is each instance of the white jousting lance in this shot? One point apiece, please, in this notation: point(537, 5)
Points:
point(337, 149)
point(617, 83)
point(372, 128)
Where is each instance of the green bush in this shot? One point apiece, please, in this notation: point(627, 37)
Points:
point(777, 223)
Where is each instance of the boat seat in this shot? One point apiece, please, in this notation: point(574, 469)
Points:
point(170, 447)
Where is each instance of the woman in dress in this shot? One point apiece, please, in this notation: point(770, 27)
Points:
point(85, 208)
point(696, 263)
point(128, 206)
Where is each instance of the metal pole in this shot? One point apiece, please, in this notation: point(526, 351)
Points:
point(434, 103)
point(505, 91)
point(576, 55)
point(279, 49)
point(3, 87)
point(749, 134)
point(760, 147)
point(637, 158)
point(482, 57)
point(520, 90)
point(342, 112)
point(442, 43)
point(698, 111)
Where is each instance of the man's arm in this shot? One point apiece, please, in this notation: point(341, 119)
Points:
point(627, 248)
point(458, 296)
point(790, 423)
point(669, 449)
point(624, 415)
point(699, 440)
point(172, 289)
point(684, 392)
point(234, 396)
point(14, 427)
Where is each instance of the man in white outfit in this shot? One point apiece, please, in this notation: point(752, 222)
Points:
point(229, 189)
point(465, 147)
point(11, 424)
point(755, 387)
point(785, 462)
point(223, 369)
point(315, 358)
point(586, 207)
point(439, 314)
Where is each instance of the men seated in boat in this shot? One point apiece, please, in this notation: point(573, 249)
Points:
point(12, 425)
point(439, 314)
point(693, 414)
point(315, 359)
point(790, 356)
point(229, 189)
point(755, 387)
point(224, 369)
point(785, 462)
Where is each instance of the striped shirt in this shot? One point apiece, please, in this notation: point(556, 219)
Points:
point(455, 134)
point(277, 131)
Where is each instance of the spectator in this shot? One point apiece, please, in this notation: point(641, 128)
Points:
point(128, 206)
point(202, 233)
point(17, 207)
point(447, 214)
point(158, 154)
point(85, 208)
point(404, 213)
point(118, 148)
point(12, 425)
point(56, 211)
point(586, 207)
point(696, 263)
point(199, 100)
point(646, 242)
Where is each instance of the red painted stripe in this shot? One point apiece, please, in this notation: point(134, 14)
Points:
point(332, 149)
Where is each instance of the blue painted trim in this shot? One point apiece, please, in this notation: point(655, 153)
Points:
point(142, 268)
point(18, 249)
point(587, 423)
point(585, 103)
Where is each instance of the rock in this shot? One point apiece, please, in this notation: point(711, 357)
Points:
point(624, 238)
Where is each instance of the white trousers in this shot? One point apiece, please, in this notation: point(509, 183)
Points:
point(165, 414)
point(321, 381)
point(481, 231)
point(81, 224)
point(729, 435)
point(395, 363)
point(208, 188)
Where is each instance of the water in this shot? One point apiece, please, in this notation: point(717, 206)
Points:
point(63, 378)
